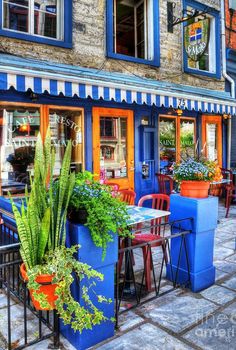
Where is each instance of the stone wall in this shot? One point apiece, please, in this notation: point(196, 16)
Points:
point(89, 46)
point(230, 24)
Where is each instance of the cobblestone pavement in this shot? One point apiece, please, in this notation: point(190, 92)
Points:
point(179, 320)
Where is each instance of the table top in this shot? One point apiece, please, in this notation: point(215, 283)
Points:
point(223, 181)
point(141, 214)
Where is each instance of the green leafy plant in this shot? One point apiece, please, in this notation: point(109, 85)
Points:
point(41, 229)
point(107, 215)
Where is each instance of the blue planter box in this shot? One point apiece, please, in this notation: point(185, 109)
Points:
point(200, 242)
point(90, 254)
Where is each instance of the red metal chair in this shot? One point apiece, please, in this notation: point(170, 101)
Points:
point(161, 202)
point(230, 195)
point(127, 196)
point(165, 184)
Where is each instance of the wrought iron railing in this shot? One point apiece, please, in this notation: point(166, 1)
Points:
point(16, 295)
point(131, 285)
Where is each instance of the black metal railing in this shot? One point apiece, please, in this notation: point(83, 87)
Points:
point(32, 326)
point(132, 286)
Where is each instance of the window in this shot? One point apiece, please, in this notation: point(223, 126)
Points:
point(46, 21)
point(19, 128)
point(132, 30)
point(172, 147)
point(202, 42)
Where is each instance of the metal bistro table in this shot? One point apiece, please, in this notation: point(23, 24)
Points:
point(137, 215)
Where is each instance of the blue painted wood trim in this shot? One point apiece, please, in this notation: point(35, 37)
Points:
point(156, 37)
point(66, 43)
point(216, 14)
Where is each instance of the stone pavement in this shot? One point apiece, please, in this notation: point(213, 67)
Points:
point(179, 320)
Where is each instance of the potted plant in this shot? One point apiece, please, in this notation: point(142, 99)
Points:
point(47, 263)
point(21, 158)
point(194, 176)
point(102, 211)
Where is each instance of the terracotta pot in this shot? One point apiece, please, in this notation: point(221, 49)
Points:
point(47, 288)
point(194, 189)
point(78, 216)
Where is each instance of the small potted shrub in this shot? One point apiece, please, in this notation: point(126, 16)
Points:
point(106, 214)
point(194, 176)
point(21, 158)
point(41, 228)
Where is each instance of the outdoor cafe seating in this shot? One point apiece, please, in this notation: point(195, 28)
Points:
point(165, 184)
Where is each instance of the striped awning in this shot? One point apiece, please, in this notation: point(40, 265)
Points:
point(23, 74)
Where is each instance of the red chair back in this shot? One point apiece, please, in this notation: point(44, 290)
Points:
point(227, 174)
point(114, 186)
point(165, 184)
point(127, 196)
point(159, 201)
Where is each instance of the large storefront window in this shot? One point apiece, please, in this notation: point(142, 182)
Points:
point(20, 126)
point(177, 139)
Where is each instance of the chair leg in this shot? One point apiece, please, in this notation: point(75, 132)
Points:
point(227, 202)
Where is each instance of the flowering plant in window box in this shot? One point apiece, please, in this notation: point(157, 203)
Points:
point(194, 176)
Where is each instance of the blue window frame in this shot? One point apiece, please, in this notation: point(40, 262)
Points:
point(133, 31)
point(32, 21)
point(213, 67)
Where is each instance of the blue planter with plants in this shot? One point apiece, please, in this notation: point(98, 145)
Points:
point(92, 255)
point(106, 216)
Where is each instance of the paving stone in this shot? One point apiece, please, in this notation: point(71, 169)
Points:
point(230, 283)
point(218, 294)
point(177, 312)
point(230, 244)
point(225, 266)
point(221, 252)
point(232, 258)
point(220, 274)
point(216, 333)
point(128, 320)
point(231, 312)
point(145, 337)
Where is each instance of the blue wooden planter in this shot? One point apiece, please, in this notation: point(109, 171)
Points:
point(200, 242)
point(90, 254)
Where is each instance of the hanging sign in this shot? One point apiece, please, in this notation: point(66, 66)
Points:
point(196, 38)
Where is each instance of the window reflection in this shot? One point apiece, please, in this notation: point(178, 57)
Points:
point(187, 138)
point(113, 147)
point(167, 131)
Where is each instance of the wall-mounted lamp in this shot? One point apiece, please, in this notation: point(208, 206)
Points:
point(32, 95)
point(177, 111)
point(226, 116)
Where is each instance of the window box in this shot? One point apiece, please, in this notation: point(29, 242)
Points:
point(27, 20)
point(133, 31)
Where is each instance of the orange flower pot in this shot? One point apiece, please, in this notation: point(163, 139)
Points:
point(47, 288)
point(194, 189)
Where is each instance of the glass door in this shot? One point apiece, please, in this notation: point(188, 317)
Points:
point(113, 146)
point(212, 137)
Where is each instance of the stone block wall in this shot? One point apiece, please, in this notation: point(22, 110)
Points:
point(89, 39)
point(230, 25)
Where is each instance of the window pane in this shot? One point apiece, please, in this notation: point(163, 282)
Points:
point(124, 28)
point(16, 16)
point(211, 131)
point(113, 145)
point(45, 18)
point(167, 130)
point(187, 133)
point(20, 127)
point(67, 125)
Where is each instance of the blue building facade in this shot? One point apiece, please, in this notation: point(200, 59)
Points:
point(126, 126)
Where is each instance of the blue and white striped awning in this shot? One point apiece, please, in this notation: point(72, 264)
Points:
point(23, 74)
